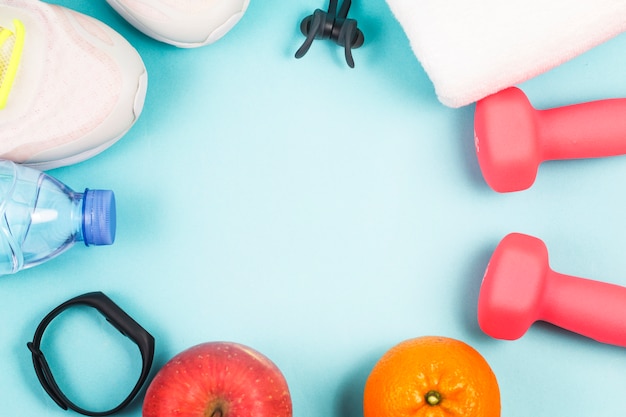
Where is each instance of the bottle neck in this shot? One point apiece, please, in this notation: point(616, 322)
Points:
point(78, 203)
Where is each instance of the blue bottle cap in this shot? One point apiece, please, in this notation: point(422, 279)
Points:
point(98, 217)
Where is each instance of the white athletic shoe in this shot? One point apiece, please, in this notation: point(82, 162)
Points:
point(70, 86)
point(183, 23)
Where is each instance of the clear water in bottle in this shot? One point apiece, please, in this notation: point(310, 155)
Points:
point(40, 217)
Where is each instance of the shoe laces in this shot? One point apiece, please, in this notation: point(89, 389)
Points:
point(11, 45)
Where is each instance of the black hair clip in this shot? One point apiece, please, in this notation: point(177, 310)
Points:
point(334, 26)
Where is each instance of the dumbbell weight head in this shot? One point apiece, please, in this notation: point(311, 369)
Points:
point(515, 281)
point(506, 139)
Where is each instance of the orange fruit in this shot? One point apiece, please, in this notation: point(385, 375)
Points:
point(431, 376)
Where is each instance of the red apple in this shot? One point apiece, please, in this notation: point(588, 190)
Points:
point(218, 379)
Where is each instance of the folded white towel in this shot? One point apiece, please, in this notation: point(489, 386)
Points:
point(471, 49)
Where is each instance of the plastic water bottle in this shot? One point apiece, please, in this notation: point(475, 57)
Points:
point(40, 217)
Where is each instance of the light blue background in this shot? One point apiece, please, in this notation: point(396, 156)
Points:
point(322, 214)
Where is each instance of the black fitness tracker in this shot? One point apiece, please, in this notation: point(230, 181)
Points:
point(121, 321)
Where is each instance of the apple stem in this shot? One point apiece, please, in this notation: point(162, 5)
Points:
point(217, 413)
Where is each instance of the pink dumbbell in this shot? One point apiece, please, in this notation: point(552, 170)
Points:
point(512, 138)
point(519, 288)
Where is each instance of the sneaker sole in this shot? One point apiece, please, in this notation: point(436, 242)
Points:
point(138, 104)
point(216, 34)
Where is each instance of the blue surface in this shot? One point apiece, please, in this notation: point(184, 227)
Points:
point(321, 215)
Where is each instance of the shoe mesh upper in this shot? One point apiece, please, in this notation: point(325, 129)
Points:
point(75, 87)
point(78, 88)
point(11, 44)
point(6, 49)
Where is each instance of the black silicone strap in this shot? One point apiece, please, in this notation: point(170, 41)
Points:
point(121, 321)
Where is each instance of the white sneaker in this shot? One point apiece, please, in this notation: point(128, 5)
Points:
point(183, 23)
point(72, 86)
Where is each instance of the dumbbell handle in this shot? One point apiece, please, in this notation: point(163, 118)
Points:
point(586, 130)
point(592, 308)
